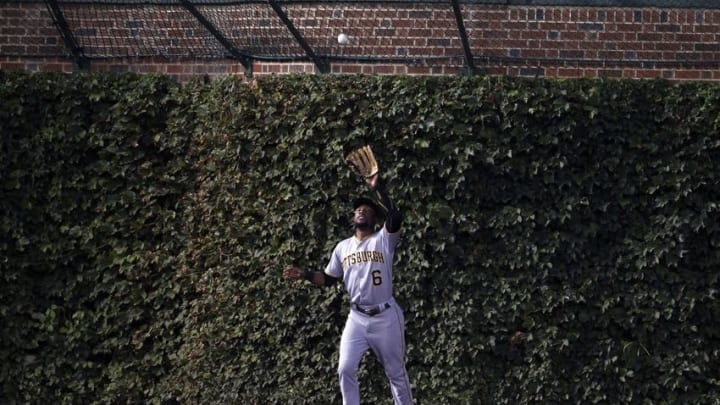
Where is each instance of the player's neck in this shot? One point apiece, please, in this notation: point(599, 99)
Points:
point(362, 233)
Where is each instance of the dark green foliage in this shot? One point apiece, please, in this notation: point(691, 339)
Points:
point(92, 176)
point(145, 225)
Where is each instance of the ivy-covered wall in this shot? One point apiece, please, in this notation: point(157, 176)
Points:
point(560, 243)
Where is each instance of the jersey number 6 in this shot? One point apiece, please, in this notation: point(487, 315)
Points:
point(377, 277)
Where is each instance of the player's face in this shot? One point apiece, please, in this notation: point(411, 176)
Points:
point(364, 216)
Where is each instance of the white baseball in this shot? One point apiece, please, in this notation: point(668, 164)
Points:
point(343, 39)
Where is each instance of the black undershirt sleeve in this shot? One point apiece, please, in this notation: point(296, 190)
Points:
point(329, 280)
point(393, 216)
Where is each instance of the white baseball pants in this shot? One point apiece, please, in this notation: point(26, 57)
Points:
point(384, 334)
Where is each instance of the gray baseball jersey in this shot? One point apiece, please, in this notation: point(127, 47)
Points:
point(365, 266)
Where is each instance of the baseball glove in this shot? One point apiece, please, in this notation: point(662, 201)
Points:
point(362, 160)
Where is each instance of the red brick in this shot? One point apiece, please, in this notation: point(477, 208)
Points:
point(533, 53)
point(670, 46)
point(649, 55)
point(649, 36)
point(572, 35)
point(610, 36)
point(174, 68)
point(707, 29)
point(419, 70)
point(382, 69)
point(648, 74)
point(533, 35)
point(552, 53)
point(687, 74)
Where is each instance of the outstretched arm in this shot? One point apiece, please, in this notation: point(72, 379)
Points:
point(363, 162)
point(393, 216)
point(315, 277)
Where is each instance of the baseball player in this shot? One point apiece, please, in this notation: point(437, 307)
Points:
point(364, 264)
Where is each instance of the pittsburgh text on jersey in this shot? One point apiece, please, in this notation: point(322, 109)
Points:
point(362, 257)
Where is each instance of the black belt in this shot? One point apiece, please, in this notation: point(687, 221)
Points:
point(372, 311)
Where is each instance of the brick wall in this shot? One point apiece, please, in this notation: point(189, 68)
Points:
point(549, 41)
